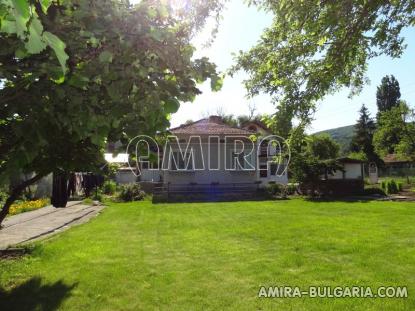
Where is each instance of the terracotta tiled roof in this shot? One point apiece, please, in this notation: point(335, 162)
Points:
point(393, 158)
point(209, 126)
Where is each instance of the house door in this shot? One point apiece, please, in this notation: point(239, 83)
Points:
point(263, 171)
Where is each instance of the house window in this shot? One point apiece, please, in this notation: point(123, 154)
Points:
point(238, 157)
point(178, 162)
point(263, 171)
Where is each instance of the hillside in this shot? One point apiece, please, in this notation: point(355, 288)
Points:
point(342, 135)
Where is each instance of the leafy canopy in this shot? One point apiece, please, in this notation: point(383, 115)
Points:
point(314, 48)
point(129, 68)
point(312, 157)
point(23, 19)
point(395, 133)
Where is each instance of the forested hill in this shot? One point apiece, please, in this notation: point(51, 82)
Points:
point(342, 135)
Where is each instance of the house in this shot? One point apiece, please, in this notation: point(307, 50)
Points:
point(221, 154)
point(349, 180)
point(352, 169)
point(397, 166)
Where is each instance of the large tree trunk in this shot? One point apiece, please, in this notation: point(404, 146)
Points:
point(15, 193)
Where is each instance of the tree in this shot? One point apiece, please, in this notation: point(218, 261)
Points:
point(322, 147)
point(362, 140)
point(312, 158)
point(395, 133)
point(129, 68)
point(314, 48)
point(388, 94)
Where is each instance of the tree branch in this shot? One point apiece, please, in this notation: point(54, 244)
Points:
point(15, 194)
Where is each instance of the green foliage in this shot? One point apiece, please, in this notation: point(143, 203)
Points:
point(395, 133)
point(4, 194)
point(129, 68)
point(315, 48)
point(131, 192)
point(322, 147)
point(358, 156)
point(312, 159)
point(292, 188)
point(391, 186)
point(110, 170)
point(388, 94)
point(109, 187)
point(341, 135)
point(23, 19)
point(274, 189)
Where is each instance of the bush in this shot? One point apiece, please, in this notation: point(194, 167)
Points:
point(292, 189)
point(109, 187)
point(391, 186)
point(375, 191)
point(274, 189)
point(131, 192)
point(400, 186)
point(383, 185)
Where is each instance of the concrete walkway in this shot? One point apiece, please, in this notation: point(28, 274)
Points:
point(43, 222)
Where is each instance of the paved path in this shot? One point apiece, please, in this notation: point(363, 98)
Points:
point(43, 222)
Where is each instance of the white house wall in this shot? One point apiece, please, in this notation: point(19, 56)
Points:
point(353, 170)
point(218, 174)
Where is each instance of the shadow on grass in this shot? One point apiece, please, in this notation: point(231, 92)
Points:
point(345, 199)
point(33, 295)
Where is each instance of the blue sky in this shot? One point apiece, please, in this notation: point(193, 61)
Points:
point(240, 28)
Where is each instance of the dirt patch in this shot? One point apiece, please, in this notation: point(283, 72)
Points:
point(13, 253)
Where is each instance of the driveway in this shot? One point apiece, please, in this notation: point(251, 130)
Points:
point(43, 222)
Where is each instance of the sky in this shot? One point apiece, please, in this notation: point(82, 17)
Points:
point(241, 28)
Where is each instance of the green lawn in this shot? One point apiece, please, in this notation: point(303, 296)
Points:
point(215, 256)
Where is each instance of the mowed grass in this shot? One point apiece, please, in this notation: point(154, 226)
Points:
point(215, 256)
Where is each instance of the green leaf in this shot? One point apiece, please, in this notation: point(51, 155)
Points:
point(35, 44)
point(8, 26)
point(216, 83)
point(22, 16)
point(59, 48)
point(21, 53)
point(22, 7)
point(105, 57)
point(45, 5)
point(78, 81)
point(171, 105)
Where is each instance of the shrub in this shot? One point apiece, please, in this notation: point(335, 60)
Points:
point(383, 185)
point(131, 192)
point(391, 186)
point(274, 189)
point(375, 191)
point(400, 186)
point(109, 187)
point(292, 189)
